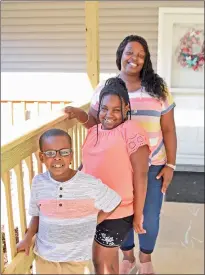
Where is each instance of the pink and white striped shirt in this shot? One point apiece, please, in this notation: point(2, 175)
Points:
point(68, 215)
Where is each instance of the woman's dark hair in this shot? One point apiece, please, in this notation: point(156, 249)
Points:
point(115, 86)
point(153, 83)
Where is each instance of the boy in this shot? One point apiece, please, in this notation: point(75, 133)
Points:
point(64, 206)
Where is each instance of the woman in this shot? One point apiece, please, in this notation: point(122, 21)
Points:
point(152, 105)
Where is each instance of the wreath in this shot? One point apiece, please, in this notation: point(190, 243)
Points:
point(191, 50)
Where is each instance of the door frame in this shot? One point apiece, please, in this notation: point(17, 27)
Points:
point(185, 161)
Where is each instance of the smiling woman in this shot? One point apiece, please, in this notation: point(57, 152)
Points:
point(133, 57)
point(152, 106)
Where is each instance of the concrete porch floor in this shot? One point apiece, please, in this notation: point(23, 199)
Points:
point(180, 246)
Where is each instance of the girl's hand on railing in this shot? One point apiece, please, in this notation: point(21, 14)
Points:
point(77, 113)
point(72, 112)
point(24, 245)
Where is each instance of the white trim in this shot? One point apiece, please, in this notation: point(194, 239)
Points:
point(190, 168)
point(190, 160)
point(187, 91)
point(179, 10)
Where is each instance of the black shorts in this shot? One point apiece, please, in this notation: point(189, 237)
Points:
point(111, 233)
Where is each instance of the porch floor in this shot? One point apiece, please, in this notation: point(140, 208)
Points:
point(180, 246)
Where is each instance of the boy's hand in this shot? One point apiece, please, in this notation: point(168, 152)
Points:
point(24, 245)
point(138, 224)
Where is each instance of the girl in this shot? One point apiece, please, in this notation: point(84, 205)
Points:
point(116, 151)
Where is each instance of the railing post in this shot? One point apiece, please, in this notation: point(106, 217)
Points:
point(2, 256)
point(92, 41)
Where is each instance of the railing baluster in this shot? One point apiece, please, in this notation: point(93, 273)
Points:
point(23, 104)
point(79, 143)
point(21, 197)
point(70, 132)
point(29, 163)
point(75, 143)
point(2, 256)
point(11, 246)
point(62, 104)
point(36, 107)
point(82, 140)
point(11, 111)
point(49, 103)
point(39, 164)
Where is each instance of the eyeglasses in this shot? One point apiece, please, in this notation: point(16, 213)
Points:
point(53, 153)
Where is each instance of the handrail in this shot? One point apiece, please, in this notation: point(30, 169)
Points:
point(21, 262)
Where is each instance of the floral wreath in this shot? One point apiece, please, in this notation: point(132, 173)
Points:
point(191, 50)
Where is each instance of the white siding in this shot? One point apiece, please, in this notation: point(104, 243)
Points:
point(43, 36)
point(121, 18)
point(50, 35)
point(43, 44)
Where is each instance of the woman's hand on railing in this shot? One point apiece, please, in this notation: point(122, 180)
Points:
point(24, 245)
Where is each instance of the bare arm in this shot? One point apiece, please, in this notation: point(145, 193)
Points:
point(169, 136)
point(88, 120)
point(170, 143)
point(140, 166)
point(33, 227)
point(93, 115)
point(25, 244)
point(104, 215)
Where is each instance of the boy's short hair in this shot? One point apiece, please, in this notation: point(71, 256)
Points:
point(53, 133)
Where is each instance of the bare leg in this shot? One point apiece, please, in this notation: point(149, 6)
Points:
point(129, 255)
point(105, 259)
point(144, 258)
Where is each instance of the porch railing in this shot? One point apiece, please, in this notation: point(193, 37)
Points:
point(15, 111)
point(19, 163)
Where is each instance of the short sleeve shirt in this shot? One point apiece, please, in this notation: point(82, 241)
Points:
point(68, 215)
point(106, 155)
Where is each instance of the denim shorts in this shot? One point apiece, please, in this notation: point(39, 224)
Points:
point(111, 233)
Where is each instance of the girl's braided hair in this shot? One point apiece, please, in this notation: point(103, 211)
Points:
point(153, 83)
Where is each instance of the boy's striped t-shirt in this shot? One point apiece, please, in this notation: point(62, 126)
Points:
point(147, 110)
point(68, 215)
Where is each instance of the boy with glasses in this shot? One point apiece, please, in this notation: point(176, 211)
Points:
point(64, 206)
